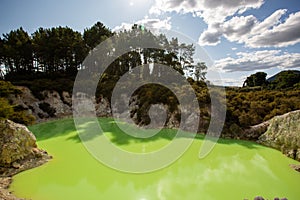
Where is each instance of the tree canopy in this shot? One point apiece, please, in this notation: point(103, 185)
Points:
point(62, 50)
point(257, 79)
point(282, 80)
point(285, 79)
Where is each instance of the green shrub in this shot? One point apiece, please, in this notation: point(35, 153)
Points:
point(6, 110)
point(22, 117)
point(6, 89)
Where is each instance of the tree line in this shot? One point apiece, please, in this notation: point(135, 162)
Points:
point(48, 49)
point(283, 80)
point(61, 49)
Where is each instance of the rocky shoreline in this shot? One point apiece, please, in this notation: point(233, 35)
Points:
point(283, 134)
point(4, 192)
point(6, 179)
point(18, 152)
point(6, 173)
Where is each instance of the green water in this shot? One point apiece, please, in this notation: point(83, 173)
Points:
point(233, 170)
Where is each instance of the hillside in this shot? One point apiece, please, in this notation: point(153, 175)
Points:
point(244, 108)
point(285, 79)
point(274, 77)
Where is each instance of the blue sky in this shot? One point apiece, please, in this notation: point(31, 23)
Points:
point(242, 37)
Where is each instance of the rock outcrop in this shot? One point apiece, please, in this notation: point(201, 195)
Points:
point(51, 104)
point(18, 149)
point(60, 103)
point(5, 194)
point(254, 132)
point(18, 152)
point(283, 134)
point(295, 167)
point(16, 142)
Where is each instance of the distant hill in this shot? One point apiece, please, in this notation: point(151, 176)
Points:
point(273, 78)
point(285, 79)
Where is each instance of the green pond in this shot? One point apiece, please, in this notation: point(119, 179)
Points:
point(233, 170)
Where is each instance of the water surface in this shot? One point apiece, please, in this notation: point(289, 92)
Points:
point(233, 170)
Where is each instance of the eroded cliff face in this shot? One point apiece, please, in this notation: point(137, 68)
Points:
point(52, 104)
point(283, 134)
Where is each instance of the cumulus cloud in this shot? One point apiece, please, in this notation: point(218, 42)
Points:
point(270, 32)
point(150, 24)
point(217, 11)
point(220, 16)
point(259, 60)
point(180, 6)
point(280, 35)
point(269, 22)
point(237, 28)
point(212, 11)
point(210, 37)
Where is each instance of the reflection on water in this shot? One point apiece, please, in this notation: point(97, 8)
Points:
point(234, 170)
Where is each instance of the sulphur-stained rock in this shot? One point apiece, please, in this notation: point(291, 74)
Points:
point(283, 134)
point(298, 154)
point(173, 121)
point(16, 142)
point(192, 122)
point(16, 165)
point(103, 108)
point(295, 167)
point(84, 105)
point(28, 101)
point(67, 98)
point(254, 132)
point(5, 194)
point(49, 104)
point(54, 100)
point(18, 149)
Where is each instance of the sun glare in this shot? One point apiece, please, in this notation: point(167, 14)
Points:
point(137, 2)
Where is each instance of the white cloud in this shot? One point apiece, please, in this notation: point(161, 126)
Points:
point(212, 11)
point(269, 22)
point(271, 32)
point(150, 24)
point(220, 16)
point(236, 28)
point(280, 35)
point(179, 6)
point(259, 60)
point(210, 37)
point(217, 11)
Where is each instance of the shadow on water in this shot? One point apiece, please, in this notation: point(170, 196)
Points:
point(52, 129)
point(245, 143)
point(57, 128)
